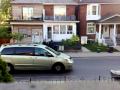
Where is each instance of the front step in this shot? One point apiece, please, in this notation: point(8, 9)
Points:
point(118, 41)
point(109, 41)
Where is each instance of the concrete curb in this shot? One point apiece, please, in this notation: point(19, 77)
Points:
point(92, 54)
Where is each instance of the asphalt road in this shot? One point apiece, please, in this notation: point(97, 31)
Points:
point(92, 68)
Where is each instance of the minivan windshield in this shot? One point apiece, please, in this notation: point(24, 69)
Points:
point(52, 50)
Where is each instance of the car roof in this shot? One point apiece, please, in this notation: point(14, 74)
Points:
point(22, 45)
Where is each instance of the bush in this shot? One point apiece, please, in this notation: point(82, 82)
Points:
point(95, 47)
point(17, 36)
point(4, 32)
point(4, 75)
point(72, 41)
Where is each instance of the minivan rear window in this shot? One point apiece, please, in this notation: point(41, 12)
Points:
point(8, 51)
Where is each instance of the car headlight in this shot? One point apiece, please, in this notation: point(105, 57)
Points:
point(69, 60)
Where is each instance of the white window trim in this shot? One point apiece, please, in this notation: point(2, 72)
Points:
point(58, 30)
point(89, 9)
point(59, 6)
point(27, 8)
point(67, 29)
point(91, 26)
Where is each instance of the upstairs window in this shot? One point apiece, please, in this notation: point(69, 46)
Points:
point(93, 9)
point(27, 13)
point(59, 12)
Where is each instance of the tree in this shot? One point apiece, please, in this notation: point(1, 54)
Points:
point(5, 10)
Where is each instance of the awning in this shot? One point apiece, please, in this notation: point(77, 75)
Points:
point(110, 19)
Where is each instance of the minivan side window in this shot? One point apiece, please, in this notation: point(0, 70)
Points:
point(7, 51)
point(42, 52)
point(27, 51)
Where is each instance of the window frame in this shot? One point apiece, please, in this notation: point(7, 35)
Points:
point(63, 31)
point(94, 26)
point(69, 31)
point(56, 9)
point(26, 17)
point(90, 9)
point(58, 31)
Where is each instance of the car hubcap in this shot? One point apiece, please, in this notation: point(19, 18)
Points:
point(58, 68)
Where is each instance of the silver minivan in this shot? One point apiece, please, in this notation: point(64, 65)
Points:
point(34, 57)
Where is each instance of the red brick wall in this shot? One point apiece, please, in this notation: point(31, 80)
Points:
point(49, 10)
point(3, 41)
point(70, 10)
point(108, 9)
point(82, 18)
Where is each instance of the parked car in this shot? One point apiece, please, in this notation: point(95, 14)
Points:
point(34, 57)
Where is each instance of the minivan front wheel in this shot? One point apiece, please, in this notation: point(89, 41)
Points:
point(10, 68)
point(58, 67)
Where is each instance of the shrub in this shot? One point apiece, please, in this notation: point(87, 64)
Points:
point(17, 36)
point(4, 32)
point(4, 75)
point(72, 41)
point(95, 47)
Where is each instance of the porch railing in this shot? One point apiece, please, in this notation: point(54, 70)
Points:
point(60, 18)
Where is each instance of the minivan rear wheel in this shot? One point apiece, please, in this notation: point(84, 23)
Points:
point(58, 68)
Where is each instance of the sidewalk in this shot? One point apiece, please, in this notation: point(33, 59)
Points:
point(92, 54)
point(62, 85)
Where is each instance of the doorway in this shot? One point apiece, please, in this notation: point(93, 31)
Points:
point(37, 35)
point(49, 31)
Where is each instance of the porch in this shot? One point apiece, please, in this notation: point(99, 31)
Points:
point(109, 31)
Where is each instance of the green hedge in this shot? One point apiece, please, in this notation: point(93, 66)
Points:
point(4, 75)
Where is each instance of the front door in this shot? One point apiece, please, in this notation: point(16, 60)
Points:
point(37, 35)
point(49, 31)
point(41, 60)
point(106, 31)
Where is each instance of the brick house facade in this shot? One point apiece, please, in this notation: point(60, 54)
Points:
point(44, 20)
point(55, 20)
point(100, 21)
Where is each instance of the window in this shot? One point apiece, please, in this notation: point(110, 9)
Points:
point(62, 29)
point(56, 29)
point(27, 13)
point(69, 29)
point(26, 33)
point(41, 52)
point(59, 12)
point(28, 51)
point(93, 9)
point(7, 51)
point(91, 28)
